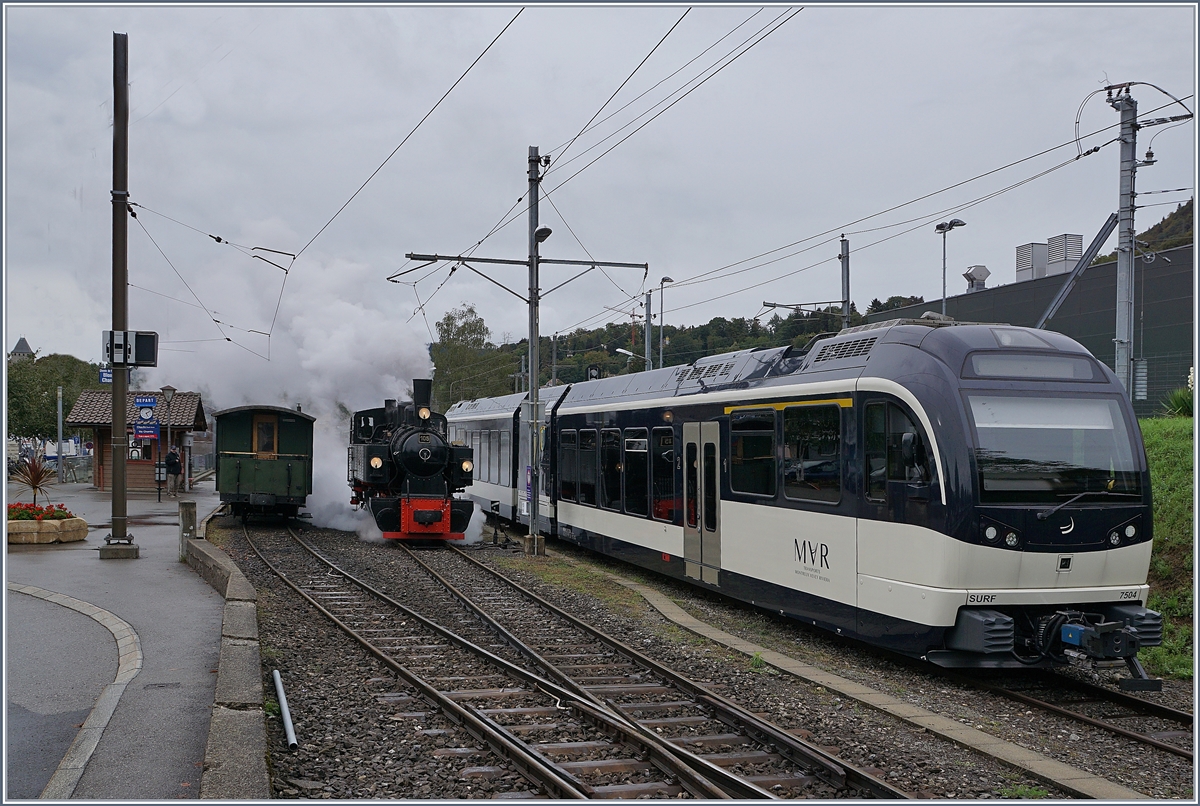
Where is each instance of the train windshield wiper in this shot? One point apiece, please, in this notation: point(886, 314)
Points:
point(1046, 513)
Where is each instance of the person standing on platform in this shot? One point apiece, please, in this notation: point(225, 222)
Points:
point(174, 468)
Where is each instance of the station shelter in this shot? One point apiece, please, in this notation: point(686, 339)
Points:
point(147, 431)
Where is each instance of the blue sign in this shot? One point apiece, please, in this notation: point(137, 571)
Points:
point(145, 430)
point(145, 401)
point(106, 376)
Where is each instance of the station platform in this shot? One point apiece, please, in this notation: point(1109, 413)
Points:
point(110, 664)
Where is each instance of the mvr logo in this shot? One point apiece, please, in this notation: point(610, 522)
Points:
point(812, 554)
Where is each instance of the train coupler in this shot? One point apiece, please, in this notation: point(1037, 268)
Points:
point(1139, 680)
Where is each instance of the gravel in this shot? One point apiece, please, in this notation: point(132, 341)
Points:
point(353, 744)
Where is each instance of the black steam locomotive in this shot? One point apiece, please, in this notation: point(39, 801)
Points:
point(402, 466)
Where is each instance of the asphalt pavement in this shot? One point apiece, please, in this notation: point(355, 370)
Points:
point(110, 664)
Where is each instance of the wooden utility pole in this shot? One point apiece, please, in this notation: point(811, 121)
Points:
point(120, 282)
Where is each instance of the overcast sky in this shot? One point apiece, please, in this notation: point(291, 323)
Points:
point(256, 124)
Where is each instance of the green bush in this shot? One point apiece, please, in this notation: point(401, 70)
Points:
point(1178, 403)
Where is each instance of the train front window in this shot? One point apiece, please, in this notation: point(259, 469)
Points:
point(265, 428)
point(1039, 449)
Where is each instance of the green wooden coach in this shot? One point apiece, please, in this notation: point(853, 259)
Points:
point(264, 459)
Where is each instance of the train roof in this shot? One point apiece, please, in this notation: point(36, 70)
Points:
point(276, 409)
point(832, 356)
point(490, 407)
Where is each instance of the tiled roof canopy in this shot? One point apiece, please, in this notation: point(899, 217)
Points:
point(94, 408)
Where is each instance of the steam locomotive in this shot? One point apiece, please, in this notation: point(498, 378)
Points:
point(403, 468)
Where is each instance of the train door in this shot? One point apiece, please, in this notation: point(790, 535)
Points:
point(702, 501)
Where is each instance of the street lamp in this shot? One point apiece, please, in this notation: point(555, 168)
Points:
point(943, 228)
point(168, 392)
point(623, 351)
point(661, 321)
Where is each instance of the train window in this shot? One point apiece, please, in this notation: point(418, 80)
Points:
point(886, 425)
point(875, 425)
point(265, 429)
point(481, 456)
point(637, 471)
point(662, 452)
point(568, 465)
point(587, 466)
point(610, 468)
point(506, 458)
point(691, 481)
point(752, 452)
point(494, 459)
point(710, 487)
point(812, 461)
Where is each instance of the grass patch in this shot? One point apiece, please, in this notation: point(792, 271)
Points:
point(271, 707)
point(1024, 792)
point(580, 579)
point(1169, 445)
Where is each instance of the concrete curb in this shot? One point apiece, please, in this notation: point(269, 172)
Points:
point(1073, 780)
point(129, 662)
point(235, 759)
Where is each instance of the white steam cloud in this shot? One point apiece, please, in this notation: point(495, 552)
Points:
point(336, 348)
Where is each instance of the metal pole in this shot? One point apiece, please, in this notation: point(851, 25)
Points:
point(662, 322)
point(944, 271)
point(120, 279)
point(284, 712)
point(1122, 365)
point(554, 360)
point(846, 281)
point(534, 364)
point(60, 456)
point(649, 357)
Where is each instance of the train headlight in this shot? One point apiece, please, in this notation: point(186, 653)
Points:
point(468, 465)
point(1114, 538)
point(1011, 540)
point(991, 532)
point(376, 462)
point(1131, 531)
point(423, 412)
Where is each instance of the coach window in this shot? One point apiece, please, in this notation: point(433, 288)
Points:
point(663, 468)
point(875, 425)
point(494, 463)
point(506, 458)
point(752, 452)
point(265, 426)
point(710, 487)
point(637, 471)
point(812, 463)
point(474, 443)
point(568, 465)
point(610, 468)
point(691, 483)
point(587, 466)
point(481, 458)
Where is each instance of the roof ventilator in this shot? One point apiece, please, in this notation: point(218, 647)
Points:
point(845, 349)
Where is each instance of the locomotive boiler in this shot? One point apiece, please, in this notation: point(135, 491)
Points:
point(402, 467)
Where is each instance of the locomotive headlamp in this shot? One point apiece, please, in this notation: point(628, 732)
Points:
point(1114, 538)
point(468, 465)
point(423, 412)
point(991, 533)
point(1131, 530)
point(1011, 540)
point(376, 462)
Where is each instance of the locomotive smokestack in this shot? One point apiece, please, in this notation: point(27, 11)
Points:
point(422, 392)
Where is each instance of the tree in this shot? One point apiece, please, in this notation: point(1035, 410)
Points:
point(33, 392)
point(893, 302)
point(468, 365)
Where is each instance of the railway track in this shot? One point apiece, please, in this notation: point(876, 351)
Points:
point(570, 719)
point(1150, 723)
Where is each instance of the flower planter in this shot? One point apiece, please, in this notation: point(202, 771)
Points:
point(47, 531)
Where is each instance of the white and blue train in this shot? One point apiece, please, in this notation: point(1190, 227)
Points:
point(976, 495)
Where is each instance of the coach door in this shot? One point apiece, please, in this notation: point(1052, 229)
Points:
point(702, 501)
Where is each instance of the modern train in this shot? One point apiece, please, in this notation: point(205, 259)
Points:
point(974, 495)
point(402, 468)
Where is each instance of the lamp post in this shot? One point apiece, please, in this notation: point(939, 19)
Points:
point(168, 392)
point(943, 228)
point(661, 321)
